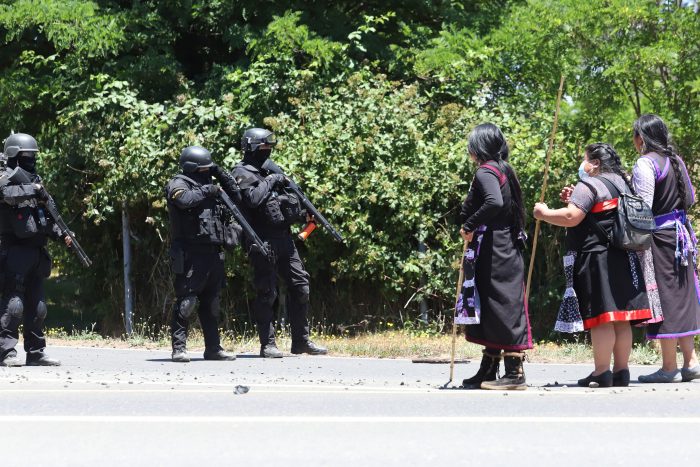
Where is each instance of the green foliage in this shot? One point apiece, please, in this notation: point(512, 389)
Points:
point(372, 104)
point(72, 26)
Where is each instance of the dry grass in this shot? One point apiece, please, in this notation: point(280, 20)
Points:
point(384, 344)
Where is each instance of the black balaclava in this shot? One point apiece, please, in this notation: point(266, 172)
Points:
point(23, 160)
point(258, 157)
point(203, 178)
point(27, 162)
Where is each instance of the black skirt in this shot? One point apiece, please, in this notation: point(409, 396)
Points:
point(610, 287)
point(499, 276)
point(678, 293)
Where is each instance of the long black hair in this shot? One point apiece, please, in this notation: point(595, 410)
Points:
point(656, 138)
point(609, 160)
point(487, 143)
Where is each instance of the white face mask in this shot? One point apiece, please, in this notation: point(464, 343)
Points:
point(582, 172)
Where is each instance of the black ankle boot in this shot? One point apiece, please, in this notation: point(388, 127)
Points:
point(488, 371)
point(514, 379)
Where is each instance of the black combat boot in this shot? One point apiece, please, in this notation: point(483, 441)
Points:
point(308, 347)
point(180, 356)
point(41, 359)
point(488, 371)
point(11, 359)
point(218, 355)
point(270, 351)
point(514, 379)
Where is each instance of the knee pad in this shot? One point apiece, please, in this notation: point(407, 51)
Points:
point(12, 316)
point(186, 307)
point(15, 308)
point(41, 312)
point(267, 297)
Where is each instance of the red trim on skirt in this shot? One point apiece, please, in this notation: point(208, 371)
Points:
point(486, 343)
point(611, 316)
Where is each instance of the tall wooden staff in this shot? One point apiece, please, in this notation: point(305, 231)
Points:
point(454, 313)
point(544, 187)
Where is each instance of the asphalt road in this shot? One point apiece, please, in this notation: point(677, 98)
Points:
point(107, 407)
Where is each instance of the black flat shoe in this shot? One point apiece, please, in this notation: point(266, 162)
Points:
point(621, 378)
point(603, 380)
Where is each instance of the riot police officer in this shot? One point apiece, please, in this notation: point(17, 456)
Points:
point(25, 227)
point(199, 231)
point(271, 211)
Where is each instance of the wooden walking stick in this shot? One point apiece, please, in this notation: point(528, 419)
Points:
point(454, 313)
point(544, 188)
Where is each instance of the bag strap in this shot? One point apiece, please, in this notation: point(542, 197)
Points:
point(610, 186)
point(592, 221)
point(496, 171)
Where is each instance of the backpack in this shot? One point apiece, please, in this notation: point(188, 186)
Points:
point(633, 224)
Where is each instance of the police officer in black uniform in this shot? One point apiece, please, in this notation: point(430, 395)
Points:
point(25, 227)
point(271, 211)
point(199, 231)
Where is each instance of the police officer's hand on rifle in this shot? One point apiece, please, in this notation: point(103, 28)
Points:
point(212, 190)
point(277, 180)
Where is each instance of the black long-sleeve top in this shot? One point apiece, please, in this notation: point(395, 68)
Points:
point(487, 203)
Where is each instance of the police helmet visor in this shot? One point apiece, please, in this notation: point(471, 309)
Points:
point(268, 140)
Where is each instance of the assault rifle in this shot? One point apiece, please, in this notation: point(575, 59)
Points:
point(271, 167)
point(247, 229)
point(20, 176)
point(230, 188)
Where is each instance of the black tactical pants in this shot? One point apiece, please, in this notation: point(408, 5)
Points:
point(288, 266)
point(23, 270)
point(199, 276)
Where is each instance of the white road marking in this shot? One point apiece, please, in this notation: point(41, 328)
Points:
point(340, 419)
point(272, 391)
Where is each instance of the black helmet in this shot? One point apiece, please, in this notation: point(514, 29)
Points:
point(193, 158)
point(253, 138)
point(20, 142)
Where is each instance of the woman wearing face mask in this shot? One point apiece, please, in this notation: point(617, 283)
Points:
point(493, 218)
point(605, 288)
point(661, 178)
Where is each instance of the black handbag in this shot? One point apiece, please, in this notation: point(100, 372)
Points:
point(633, 224)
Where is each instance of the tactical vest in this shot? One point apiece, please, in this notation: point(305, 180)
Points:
point(203, 224)
point(279, 211)
point(26, 221)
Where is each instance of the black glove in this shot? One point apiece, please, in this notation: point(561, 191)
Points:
point(228, 183)
point(276, 179)
point(216, 171)
point(211, 190)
